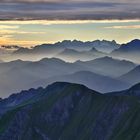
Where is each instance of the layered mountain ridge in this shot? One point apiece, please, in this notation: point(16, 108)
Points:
point(104, 45)
point(19, 75)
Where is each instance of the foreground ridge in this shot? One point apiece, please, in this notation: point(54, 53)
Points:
point(65, 111)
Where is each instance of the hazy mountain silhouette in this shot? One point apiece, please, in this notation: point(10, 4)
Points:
point(132, 76)
point(7, 66)
point(91, 80)
point(132, 46)
point(108, 66)
point(51, 50)
point(129, 51)
point(74, 55)
point(18, 75)
point(103, 46)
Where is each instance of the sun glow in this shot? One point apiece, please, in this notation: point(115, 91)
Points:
point(32, 32)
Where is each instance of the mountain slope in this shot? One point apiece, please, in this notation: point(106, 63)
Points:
point(134, 91)
point(129, 51)
point(108, 66)
point(70, 111)
point(91, 80)
point(132, 46)
point(132, 76)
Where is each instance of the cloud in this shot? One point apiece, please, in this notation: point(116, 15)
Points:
point(61, 22)
point(124, 27)
point(8, 27)
point(10, 47)
point(69, 9)
point(9, 40)
point(7, 32)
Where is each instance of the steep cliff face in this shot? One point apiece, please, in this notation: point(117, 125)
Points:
point(65, 111)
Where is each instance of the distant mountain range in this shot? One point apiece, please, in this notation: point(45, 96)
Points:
point(91, 80)
point(70, 111)
point(108, 66)
point(104, 46)
point(18, 75)
point(129, 51)
point(78, 50)
point(62, 48)
point(74, 55)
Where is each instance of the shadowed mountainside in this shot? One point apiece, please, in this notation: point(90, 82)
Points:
point(71, 111)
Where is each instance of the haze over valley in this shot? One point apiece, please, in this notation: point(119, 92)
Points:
point(71, 61)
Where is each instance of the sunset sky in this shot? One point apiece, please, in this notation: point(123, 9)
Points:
point(31, 22)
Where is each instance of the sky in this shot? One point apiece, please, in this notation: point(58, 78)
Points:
point(32, 22)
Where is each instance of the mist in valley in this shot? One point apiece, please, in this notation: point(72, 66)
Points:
point(44, 64)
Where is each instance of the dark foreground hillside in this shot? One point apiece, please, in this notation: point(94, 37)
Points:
point(65, 111)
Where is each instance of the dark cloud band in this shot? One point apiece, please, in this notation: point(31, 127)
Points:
point(68, 10)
